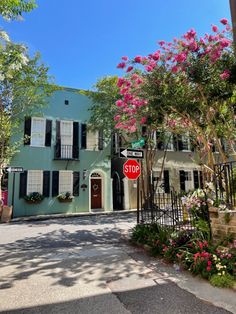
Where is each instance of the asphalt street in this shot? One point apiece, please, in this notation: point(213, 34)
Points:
point(86, 265)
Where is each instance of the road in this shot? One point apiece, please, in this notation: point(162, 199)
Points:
point(85, 265)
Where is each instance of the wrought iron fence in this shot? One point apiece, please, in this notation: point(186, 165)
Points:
point(225, 183)
point(166, 210)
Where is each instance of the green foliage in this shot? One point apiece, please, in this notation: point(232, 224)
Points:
point(104, 96)
point(13, 9)
point(222, 281)
point(34, 197)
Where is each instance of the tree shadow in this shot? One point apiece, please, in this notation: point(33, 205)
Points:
point(67, 257)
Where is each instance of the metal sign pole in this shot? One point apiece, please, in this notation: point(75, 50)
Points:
point(138, 200)
point(13, 193)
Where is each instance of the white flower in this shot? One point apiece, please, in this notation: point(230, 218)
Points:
point(4, 36)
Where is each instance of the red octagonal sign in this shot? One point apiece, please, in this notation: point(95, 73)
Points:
point(132, 169)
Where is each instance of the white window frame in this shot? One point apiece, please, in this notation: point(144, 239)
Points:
point(189, 184)
point(94, 142)
point(35, 133)
point(187, 139)
point(60, 189)
point(171, 142)
point(66, 139)
point(30, 174)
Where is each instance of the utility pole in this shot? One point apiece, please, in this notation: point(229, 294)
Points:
point(232, 4)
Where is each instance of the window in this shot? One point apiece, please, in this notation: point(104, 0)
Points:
point(38, 132)
point(92, 140)
point(168, 145)
point(65, 181)
point(185, 143)
point(35, 181)
point(66, 139)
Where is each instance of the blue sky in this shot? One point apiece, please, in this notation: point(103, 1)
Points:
point(83, 40)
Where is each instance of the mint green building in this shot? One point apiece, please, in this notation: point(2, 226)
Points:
point(60, 155)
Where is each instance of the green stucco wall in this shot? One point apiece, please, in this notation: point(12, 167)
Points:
point(37, 158)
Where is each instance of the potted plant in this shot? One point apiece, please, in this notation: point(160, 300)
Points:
point(65, 197)
point(34, 198)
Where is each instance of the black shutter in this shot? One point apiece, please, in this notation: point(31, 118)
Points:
point(182, 180)
point(100, 140)
point(195, 179)
point(175, 142)
point(201, 179)
point(48, 133)
point(23, 184)
point(166, 181)
point(192, 145)
point(83, 136)
point(75, 140)
point(76, 183)
point(46, 183)
point(55, 183)
point(58, 140)
point(27, 131)
point(180, 142)
point(159, 141)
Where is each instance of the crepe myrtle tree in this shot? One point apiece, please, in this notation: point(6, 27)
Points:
point(187, 85)
point(24, 87)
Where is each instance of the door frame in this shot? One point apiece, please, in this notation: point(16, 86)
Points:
point(102, 178)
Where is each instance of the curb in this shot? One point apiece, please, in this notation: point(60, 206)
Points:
point(72, 215)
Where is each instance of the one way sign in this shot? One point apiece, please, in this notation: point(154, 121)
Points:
point(14, 169)
point(131, 153)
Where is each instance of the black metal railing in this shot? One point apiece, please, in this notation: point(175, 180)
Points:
point(166, 210)
point(225, 183)
point(66, 152)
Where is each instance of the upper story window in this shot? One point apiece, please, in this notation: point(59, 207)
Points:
point(38, 132)
point(92, 140)
point(35, 181)
point(186, 145)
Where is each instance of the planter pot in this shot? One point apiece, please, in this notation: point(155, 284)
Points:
point(32, 202)
point(65, 200)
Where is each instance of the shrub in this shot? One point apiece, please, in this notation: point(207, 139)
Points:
point(222, 281)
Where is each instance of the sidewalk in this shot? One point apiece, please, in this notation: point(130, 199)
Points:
point(71, 215)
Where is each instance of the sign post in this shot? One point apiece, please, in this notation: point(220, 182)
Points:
point(13, 170)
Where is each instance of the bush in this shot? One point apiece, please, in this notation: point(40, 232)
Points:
point(34, 197)
point(222, 281)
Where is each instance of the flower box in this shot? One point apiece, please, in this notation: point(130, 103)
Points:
point(33, 202)
point(66, 200)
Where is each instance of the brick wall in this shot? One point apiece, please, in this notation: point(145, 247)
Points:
point(222, 223)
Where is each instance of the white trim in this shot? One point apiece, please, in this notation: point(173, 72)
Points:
point(33, 119)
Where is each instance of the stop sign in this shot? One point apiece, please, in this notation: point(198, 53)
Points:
point(132, 169)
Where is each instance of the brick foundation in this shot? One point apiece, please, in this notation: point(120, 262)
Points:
point(222, 223)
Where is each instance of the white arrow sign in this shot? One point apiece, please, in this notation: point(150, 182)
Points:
point(131, 153)
point(14, 169)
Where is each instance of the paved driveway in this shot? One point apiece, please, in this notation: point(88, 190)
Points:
point(84, 265)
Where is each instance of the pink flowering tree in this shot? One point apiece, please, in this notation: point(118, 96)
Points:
point(187, 85)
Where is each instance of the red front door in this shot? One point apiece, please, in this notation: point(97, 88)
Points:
point(96, 193)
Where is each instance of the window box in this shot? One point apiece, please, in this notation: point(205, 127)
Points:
point(65, 197)
point(34, 198)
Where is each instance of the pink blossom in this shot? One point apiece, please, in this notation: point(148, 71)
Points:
point(120, 82)
point(117, 117)
point(224, 21)
point(224, 42)
point(132, 128)
point(161, 43)
point(121, 65)
point(181, 57)
point(143, 120)
point(190, 34)
point(156, 55)
point(175, 69)
point(148, 68)
point(124, 58)
point(129, 69)
point(214, 28)
point(119, 103)
point(138, 59)
point(225, 75)
point(208, 268)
